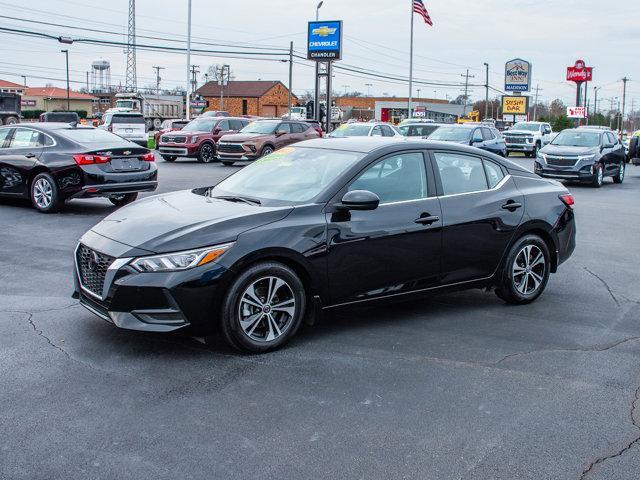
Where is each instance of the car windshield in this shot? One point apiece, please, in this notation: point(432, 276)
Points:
point(351, 130)
point(89, 135)
point(261, 127)
point(200, 125)
point(574, 138)
point(531, 127)
point(129, 119)
point(289, 175)
point(451, 134)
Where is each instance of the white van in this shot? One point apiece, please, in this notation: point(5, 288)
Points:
point(130, 126)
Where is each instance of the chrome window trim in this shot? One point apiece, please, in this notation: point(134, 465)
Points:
point(19, 125)
point(497, 187)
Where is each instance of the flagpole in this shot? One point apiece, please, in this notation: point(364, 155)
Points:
point(411, 64)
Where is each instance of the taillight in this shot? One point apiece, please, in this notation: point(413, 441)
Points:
point(148, 157)
point(83, 159)
point(567, 199)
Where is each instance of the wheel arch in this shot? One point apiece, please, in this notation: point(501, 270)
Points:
point(544, 231)
point(205, 142)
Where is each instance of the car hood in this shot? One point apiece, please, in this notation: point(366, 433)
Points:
point(564, 150)
point(243, 137)
point(519, 132)
point(184, 220)
point(191, 133)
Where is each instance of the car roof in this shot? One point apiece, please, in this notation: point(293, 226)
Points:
point(48, 126)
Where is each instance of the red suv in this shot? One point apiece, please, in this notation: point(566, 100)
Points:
point(199, 138)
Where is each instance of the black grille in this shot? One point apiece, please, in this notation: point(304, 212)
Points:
point(172, 139)
point(92, 267)
point(230, 148)
point(561, 161)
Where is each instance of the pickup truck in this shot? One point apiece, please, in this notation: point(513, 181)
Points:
point(528, 137)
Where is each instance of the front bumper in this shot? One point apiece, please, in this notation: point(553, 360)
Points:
point(179, 150)
point(151, 302)
point(241, 152)
point(583, 174)
point(520, 147)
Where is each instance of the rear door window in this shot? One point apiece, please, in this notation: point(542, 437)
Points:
point(236, 124)
point(223, 125)
point(284, 127)
point(4, 134)
point(460, 173)
point(386, 131)
point(25, 138)
point(296, 128)
point(377, 131)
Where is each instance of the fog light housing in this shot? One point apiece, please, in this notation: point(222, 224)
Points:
point(252, 148)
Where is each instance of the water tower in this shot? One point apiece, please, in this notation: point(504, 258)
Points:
point(100, 75)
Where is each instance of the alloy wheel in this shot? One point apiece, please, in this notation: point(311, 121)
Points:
point(42, 193)
point(266, 309)
point(267, 151)
point(621, 172)
point(207, 153)
point(600, 175)
point(528, 269)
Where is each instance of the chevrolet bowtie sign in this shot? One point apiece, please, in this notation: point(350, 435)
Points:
point(324, 41)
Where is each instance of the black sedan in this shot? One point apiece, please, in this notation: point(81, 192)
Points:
point(53, 162)
point(319, 225)
point(484, 137)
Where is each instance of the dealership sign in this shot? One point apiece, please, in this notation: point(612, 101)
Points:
point(324, 41)
point(514, 105)
point(576, 112)
point(579, 72)
point(28, 103)
point(517, 75)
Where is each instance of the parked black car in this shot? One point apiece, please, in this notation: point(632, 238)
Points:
point(480, 136)
point(66, 117)
point(53, 162)
point(322, 224)
point(584, 155)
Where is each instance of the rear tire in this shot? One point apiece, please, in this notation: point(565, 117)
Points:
point(121, 200)
point(263, 308)
point(45, 195)
point(619, 178)
point(598, 176)
point(169, 158)
point(207, 153)
point(11, 120)
point(525, 272)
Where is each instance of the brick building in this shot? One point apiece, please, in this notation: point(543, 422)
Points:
point(262, 98)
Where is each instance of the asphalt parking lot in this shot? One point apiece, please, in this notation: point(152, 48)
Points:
point(457, 386)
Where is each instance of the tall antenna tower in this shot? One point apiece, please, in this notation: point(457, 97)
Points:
point(131, 81)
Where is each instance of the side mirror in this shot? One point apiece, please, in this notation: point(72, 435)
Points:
point(360, 200)
point(216, 131)
point(279, 133)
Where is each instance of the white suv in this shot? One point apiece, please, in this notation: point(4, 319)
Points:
point(130, 126)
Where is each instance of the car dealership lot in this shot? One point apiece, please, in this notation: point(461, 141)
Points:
point(455, 386)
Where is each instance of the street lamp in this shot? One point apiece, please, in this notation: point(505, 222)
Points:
point(419, 89)
point(368, 85)
point(318, 10)
point(345, 89)
point(66, 54)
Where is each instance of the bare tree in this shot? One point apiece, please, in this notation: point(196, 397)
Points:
point(214, 71)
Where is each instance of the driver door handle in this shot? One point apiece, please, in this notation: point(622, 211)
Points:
point(30, 155)
point(427, 220)
point(511, 206)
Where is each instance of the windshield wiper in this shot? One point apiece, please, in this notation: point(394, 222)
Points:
point(236, 198)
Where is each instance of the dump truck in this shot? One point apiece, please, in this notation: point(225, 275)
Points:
point(155, 110)
point(10, 108)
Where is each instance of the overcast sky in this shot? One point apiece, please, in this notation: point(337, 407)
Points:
point(466, 33)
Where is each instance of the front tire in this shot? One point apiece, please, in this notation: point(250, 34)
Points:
point(45, 195)
point(598, 176)
point(267, 150)
point(121, 200)
point(526, 271)
point(619, 178)
point(207, 153)
point(263, 308)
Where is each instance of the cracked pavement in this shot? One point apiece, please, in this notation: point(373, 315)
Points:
point(457, 386)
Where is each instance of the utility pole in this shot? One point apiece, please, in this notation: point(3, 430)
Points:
point(466, 90)
point(131, 80)
point(194, 77)
point(486, 90)
point(624, 99)
point(225, 73)
point(66, 54)
point(87, 81)
point(188, 99)
point(369, 85)
point(418, 89)
point(535, 103)
point(595, 99)
point(157, 69)
point(290, 76)
point(24, 77)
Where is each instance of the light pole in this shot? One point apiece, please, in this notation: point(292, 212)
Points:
point(418, 89)
point(345, 89)
point(188, 99)
point(66, 54)
point(486, 92)
point(368, 85)
point(318, 10)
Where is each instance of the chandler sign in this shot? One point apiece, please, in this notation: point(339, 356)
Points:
point(579, 72)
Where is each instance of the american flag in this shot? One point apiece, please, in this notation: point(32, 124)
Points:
point(418, 7)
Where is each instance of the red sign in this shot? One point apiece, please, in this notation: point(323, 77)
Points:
point(579, 73)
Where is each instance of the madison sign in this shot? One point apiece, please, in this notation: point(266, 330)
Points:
point(517, 75)
point(324, 41)
point(579, 72)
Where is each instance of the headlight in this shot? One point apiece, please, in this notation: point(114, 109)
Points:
point(586, 157)
point(194, 139)
point(542, 156)
point(529, 139)
point(171, 262)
